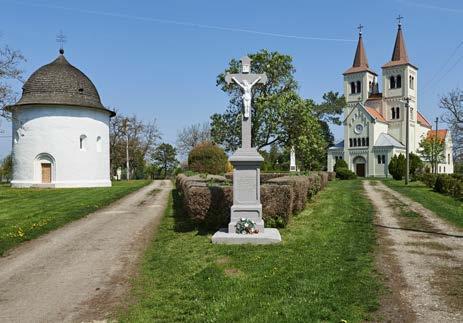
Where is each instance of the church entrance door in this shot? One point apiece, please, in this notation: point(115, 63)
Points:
point(46, 173)
point(360, 170)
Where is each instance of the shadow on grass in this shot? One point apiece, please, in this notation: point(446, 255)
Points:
point(183, 223)
point(407, 229)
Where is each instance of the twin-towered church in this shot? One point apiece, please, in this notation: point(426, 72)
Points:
point(375, 122)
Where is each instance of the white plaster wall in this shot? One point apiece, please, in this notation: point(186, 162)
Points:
point(56, 131)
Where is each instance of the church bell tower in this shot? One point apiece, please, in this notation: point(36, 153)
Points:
point(359, 80)
point(400, 82)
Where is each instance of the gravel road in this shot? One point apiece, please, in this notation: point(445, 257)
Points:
point(81, 271)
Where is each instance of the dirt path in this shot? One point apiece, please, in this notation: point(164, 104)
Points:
point(421, 256)
point(81, 271)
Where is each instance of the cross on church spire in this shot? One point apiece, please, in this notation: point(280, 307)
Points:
point(61, 39)
point(360, 27)
point(399, 19)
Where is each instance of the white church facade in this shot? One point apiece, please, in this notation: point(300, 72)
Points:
point(375, 122)
point(60, 130)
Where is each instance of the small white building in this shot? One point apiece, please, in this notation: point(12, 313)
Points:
point(60, 130)
point(375, 122)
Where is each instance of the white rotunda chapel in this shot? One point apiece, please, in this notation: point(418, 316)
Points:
point(60, 130)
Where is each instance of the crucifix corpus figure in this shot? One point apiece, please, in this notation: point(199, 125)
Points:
point(247, 94)
point(246, 81)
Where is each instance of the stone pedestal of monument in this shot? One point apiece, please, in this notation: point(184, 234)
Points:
point(246, 201)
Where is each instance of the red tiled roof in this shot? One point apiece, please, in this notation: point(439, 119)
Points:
point(423, 121)
point(375, 114)
point(441, 134)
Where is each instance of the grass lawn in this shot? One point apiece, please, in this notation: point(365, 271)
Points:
point(444, 206)
point(28, 213)
point(323, 271)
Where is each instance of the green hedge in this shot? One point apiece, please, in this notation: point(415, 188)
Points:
point(281, 198)
point(445, 184)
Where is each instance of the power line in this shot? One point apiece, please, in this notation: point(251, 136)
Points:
point(443, 66)
point(450, 69)
point(181, 23)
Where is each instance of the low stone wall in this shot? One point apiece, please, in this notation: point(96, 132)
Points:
point(207, 201)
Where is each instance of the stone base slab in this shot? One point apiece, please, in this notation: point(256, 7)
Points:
point(269, 236)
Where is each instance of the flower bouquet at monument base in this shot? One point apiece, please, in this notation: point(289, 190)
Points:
point(246, 226)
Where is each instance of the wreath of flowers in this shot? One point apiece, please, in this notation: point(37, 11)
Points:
point(246, 226)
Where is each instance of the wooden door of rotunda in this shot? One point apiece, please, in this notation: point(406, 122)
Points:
point(46, 173)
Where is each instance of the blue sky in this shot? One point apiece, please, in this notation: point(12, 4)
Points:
point(159, 59)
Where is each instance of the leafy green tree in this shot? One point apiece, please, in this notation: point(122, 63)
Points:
point(416, 164)
point(207, 158)
point(266, 114)
point(6, 168)
point(279, 115)
point(164, 157)
point(432, 151)
point(331, 108)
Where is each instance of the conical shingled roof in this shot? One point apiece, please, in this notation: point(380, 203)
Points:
point(399, 55)
point(60, 83)
point(360, 60)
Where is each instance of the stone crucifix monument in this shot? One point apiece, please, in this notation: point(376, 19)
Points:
point(246, 175)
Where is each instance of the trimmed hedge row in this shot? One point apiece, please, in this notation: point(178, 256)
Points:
point(209, 202)
point(445, 184)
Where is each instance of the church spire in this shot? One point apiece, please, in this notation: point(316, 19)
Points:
point(399, 55)
point(360, 63)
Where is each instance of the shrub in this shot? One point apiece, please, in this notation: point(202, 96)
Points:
point(300, 186)
point(439, 184)
point(340, 163)
point(324, 178)
point(428, 179)
point(344, 173)
point(314, 185)
point(397, 167)
point(277, 206)
point(207, 158)
point(416, 165)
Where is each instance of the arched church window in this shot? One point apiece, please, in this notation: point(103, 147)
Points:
point(379, 159)
point(392, 82)
point(448, 158)
point(411, 80)
point(98, 144)
point(398, 82)
point(383, 159)
point(359, 143)
point(397, 113)
point(359, 87)
point(363, 142)
point(393, 113)
point(352, 87)
point(370, 87)
point(83, 142)
point(350, 142)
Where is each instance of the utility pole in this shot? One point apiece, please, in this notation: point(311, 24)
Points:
point(127, 147)
point(407, 140)
point(435, 142)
